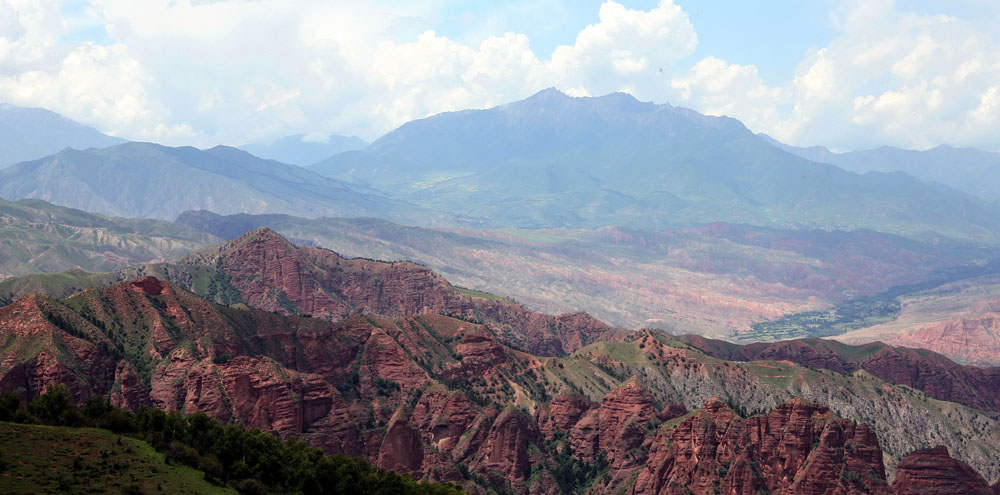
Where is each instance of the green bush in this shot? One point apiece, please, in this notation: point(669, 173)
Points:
point(50, 406)
point(9, 404)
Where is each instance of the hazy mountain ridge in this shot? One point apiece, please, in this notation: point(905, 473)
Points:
point(556, 161)
point(959, 319)
point(38, 237)
point(32, 133)
point(151, 181)
point(713, 279)
point(969, 170)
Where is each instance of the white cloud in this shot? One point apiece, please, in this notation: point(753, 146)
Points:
point(92, 83)
point(721, 88)
point(888, 77)
point(234, 71)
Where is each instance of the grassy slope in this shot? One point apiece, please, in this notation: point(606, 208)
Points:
point(46, 459)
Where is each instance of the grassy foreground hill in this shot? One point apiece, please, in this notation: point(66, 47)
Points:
point(152, 451)
point(37, 459)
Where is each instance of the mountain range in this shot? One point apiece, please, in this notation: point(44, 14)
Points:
point(549, 161)
point(715, 280)
point(466, 355)
point(147, 180)
point(973, 171)
point(378, 371)
point(556, 161)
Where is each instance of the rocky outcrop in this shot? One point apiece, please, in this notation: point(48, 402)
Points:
point(505, 449)
point(799, 448)
point(623, 420)
point(43, 343)
point(934, 472)
point(128, 391)
point(270, 273)
point(973, 337)
point(562, 413)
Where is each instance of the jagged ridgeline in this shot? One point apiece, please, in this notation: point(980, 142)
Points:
point(395, 365)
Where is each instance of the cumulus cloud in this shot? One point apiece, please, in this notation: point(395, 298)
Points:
point(888, 77)
point(234, 71)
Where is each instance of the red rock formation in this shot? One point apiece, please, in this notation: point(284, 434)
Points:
point(622, 420)
point(562, 413)
point(37, 351)
point(799, 448)
point(429, 395)
point(505, 449)
point(970, 338)
point(934, 472)
point(128, 391)
point(148, 285)
point(272, 274)
point(401, 449)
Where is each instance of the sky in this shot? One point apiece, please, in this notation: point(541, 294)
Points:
point(843, 74)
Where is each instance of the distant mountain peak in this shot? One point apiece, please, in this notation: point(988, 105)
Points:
point(28, 133)
point(551, 92)
point(552, 96)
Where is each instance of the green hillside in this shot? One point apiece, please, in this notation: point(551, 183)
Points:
point(58, 459)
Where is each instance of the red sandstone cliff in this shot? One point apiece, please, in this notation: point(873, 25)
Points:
point(934, 472)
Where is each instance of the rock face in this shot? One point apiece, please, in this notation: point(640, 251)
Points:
point(934, 472)
point(799, 448)
point(924, 370)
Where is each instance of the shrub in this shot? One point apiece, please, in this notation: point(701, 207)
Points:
point(9, 405)
point(50, 406)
